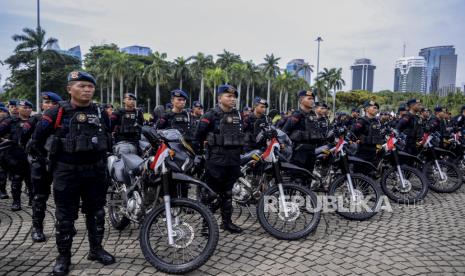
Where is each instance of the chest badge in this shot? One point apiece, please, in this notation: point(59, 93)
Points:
point(229, 120)
point(81, 117)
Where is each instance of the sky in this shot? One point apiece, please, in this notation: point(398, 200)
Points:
point(375, 29)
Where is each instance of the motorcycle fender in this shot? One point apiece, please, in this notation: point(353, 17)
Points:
point(353, 159)
point(446, 152)
point(407, 155)
point(191, 180)
point(290, 166)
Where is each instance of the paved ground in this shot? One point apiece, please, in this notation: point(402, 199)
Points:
point(412, 240)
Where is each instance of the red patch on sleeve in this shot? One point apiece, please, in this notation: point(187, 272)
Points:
point(47, 118)
point(295, 119)
point(358, 125)
point(205, 120)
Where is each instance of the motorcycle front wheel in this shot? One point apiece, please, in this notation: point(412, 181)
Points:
point(195, 236)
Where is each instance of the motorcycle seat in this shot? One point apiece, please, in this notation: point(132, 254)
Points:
point(132, 162)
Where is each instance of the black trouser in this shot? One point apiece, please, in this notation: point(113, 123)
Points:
point(366, 153)
point(72, 183)
point(3, 176)
point(304, 156)
point(221, 180)
point(41, 181)
point(15, 161)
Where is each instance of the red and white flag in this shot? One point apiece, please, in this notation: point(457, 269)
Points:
point(160, 156)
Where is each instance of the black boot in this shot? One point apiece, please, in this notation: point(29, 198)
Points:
point(39, 205)
point(96, 227)
point(3, 193)
point(16, 183)
point(226, 214)
point(64, 239)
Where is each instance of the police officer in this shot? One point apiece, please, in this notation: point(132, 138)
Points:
point(4, 113)
point(77, 137)
point(246, 111)
point(127, 122)
point(303, 128)
point(323, 122)
point(177, 117)
point(41, 179)
point(221, 130)
point(459, 120)
point(368, 131)
point(15, 158)
point(410, 124)
point(355, 114)
point(437, 122)
point(13, 107)
point(255, 122)
point(197, 112)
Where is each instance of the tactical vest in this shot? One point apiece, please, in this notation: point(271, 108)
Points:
point(374, 136)
point(227, 130)
point(182, 122)
point(415, 130)
point(312, 132)
point(86, 131)
point(129, 125)
point(16, 130)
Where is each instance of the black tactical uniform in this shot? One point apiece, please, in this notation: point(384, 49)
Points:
point(369, 133)
point(3, 172)
point(252, 127)
point(307, 132)
point(14, 159)
point(126, 125)
point(181, 121)
point(76, 140)
point(223, 132)
point(411, 125)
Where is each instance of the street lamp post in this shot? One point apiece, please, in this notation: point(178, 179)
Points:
point(319, 39)
point(38, 62)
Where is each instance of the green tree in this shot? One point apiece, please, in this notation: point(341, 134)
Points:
point(33, 42)
point(215, 77)
point(226, 59)
point(181, 70)
point(271, 70)
point(200, 64)
point(238, 73)
point(156, 72)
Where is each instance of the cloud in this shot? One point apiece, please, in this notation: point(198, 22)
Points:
point(351, 29)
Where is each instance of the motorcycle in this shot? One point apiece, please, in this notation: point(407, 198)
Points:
point(400, 182)
point(177, 234)
point(358, 195)
point(443, 176)
point(285, 210)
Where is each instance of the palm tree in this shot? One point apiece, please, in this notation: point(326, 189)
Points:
point(336, 82)
point(215, 77)
point(200, 64)
point(238, 72)
point(181, 70)
point(33, 42)
point(325, 77)
point(321, 86)
point(120, 69)
point(270, 69)
point(156, 73)
point(305, 67)
point(226, 59)
point(137, 69)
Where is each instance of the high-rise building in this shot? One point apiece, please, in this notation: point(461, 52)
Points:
point(363, 73)
point(74, 51)
point(137, 50)
point(441, 69)
point(410, 75)
point(294, 66)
